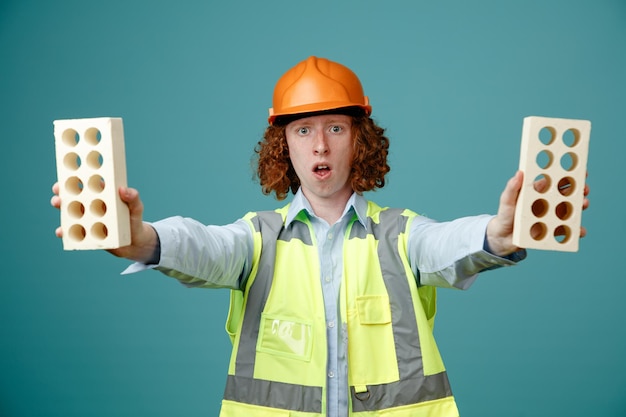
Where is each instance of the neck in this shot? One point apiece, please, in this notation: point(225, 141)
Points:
point(329, 209)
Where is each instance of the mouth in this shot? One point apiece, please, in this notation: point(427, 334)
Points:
point(321, 170)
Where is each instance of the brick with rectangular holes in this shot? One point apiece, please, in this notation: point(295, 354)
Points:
point(91, 166)
point(553, 158)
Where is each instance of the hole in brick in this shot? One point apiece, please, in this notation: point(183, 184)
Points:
point(76, 209)
point(571, 137)
point(542, 183)
point(540, 207)
point(96, 184)
point(93, 136)
point(546, 135)
point(562, 234)
point(70, 137)
point(566, 186)
point(564, 210)
point(74, 185)
point(77, 232)
point(94, 159)
point(538, 231)
point(98, 207)
point(72, 161)
point(544, 159)
point(99, 231)
point(569, 161)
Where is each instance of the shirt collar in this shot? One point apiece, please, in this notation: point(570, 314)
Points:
point(356, 203)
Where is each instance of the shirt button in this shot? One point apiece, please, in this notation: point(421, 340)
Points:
point(331, 324)
point(331, 374)
point(330, 236)
point(327, 279)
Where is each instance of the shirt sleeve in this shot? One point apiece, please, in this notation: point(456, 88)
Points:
point(202, 256)
point(451, 254)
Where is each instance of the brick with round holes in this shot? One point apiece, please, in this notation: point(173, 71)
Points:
point(553, 158)
point(91, 166)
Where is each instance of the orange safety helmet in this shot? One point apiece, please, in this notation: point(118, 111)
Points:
point(317, 84)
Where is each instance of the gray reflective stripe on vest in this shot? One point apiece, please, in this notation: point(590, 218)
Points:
point(413, 387)
point(274, 394)
point(297, 230)
point(404, 392)
point(243, 387)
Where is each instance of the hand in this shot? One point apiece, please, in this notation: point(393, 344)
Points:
point(500, 228)
point(143, 237)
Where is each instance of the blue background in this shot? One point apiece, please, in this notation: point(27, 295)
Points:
point(451, 80)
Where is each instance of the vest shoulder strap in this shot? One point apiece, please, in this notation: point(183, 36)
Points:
point(265, 225)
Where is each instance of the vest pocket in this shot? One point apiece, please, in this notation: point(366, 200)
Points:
point(371, 347)
point(283, 336)
point(235, 314)
point(235, 409)
point(373, 309)
point(444, 407)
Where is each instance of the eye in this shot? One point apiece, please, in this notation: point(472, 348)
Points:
point(303, 130)
point(336, 129)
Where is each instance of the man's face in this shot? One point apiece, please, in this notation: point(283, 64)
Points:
point(320, 148)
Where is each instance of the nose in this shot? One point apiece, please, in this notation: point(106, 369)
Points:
point(320, 144)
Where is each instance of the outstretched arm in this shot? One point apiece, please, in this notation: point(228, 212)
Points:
point(500, 228)
point(144, 239)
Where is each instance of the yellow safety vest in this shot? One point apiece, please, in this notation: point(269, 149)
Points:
point(278, 327)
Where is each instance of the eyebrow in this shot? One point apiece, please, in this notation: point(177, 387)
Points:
point(307, 121)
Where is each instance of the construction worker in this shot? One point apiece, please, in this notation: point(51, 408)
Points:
point(332, 297)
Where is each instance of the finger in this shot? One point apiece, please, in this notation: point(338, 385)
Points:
point(135, 208)
point(509, 196)
point(127, 194)
point(541, 185)
point(55, 201)
point(58, 232)
point(131, 197)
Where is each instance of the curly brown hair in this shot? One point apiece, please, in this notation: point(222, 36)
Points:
point(369, 163)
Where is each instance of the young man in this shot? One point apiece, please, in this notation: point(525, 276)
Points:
point(333, 297)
